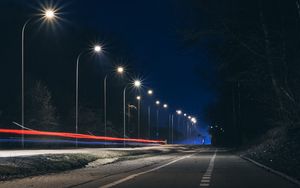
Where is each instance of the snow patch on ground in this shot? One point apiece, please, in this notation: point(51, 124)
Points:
point(100, 162)
point(21, 164)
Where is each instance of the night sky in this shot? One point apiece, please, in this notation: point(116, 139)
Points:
point(148, 32)
point(149, 29)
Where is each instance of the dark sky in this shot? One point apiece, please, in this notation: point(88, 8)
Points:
point(147, 30)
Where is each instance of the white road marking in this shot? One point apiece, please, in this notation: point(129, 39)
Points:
point(141, 173)
point(204, 184)
point(205, 181)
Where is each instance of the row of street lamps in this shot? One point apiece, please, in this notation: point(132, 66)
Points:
point(50, 15)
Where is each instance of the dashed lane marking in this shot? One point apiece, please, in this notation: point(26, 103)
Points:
point(205, 181)
point(204, 184)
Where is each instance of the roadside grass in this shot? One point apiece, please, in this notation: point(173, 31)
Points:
point(279, 149)
point(19, 167)
point(25, 166)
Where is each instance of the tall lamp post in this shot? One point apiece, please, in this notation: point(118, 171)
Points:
point(97, 49)
point(136, 84)
point(165, 106)
point(150, 93)
point(189, 117)
point(48, 14)
point(172, 128)
point(185, 124)
point(169, 127)
point(139, 114)
point(157, 117)
point(193, 121)
point(178, 112)
point(119, 70)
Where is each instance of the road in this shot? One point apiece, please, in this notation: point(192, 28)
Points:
point(184, 168)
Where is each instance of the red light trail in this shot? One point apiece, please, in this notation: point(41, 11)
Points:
point(78, 136)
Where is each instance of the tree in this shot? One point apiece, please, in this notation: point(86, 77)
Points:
point(257, 47)
point(41, 111)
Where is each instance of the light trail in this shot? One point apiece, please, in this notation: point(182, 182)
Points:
point(59, 141)
point(78, 136)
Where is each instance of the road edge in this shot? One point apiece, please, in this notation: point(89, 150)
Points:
point(289, 178)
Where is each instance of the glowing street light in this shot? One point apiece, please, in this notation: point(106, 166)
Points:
point(48, 14)
point(194, 120)
point(157, 102)
point(97, 49)
point(119, 70)
point(184, 115)
point(165, 106)
point(137, 84)
point(189, 117)
point(179, 112)
point(150, 92)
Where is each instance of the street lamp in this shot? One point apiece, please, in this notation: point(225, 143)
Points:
point(97, 49)
point(179, 112)
point(165, 106)
point(186, 123)
point(157, 117)
point(139, 114)
point(137, 84)
point(48, 14)
point(172, 129)
point(119, 70)
point(150, 93)
point(194, 120)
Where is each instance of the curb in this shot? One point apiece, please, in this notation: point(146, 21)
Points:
point(293, 180)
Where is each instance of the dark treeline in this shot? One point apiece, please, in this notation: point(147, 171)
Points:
point(256, 47)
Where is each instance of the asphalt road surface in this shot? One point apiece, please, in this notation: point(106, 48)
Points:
point(185, 167)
